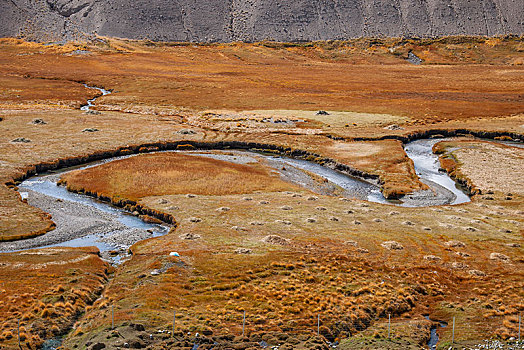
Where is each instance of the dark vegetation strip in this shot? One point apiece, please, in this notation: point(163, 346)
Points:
point(435, 132)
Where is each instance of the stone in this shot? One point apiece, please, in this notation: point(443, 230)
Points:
point(392, 245)
point(432, 258)
point(98, 346)
point(459, 265)
point(455, 244)
point(462, 254)
point(190, 236)
point(186, 132)
point(285, 222)
point(499, 257)
point(21, 140)
point(477, 273)
point(393, 127)
point(274, 239)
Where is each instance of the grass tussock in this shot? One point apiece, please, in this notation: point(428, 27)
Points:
point(45, 296)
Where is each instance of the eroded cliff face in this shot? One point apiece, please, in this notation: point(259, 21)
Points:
point(254, 20)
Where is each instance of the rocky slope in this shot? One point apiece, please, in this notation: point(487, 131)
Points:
point(255, 20)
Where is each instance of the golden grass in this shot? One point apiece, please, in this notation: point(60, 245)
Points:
point(486, 166)
point(316, 270)
point(51, 288)
point(173, 173)
point(284, 287)
point(355, 77)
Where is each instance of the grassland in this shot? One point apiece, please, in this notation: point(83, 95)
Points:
point(488, 167)
point(166, 79)
point(51, 290)
point(286, 257)
point(171, 173)
point(333, 267)
point(223, 93)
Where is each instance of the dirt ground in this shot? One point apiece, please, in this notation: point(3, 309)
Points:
point(329, 256)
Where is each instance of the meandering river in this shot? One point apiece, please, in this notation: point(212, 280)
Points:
point(85, 221)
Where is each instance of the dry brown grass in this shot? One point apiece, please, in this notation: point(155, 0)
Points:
point(165, 89)
point(51, 288)
point(357, 78)
point(486, 166)
point(173, 173)
point(151, 78)
point(284, 287)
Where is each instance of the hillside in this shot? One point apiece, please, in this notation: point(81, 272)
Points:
point(256, 20)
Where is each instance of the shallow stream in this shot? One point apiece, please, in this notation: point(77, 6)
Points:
point(84, 221)
point(90, 103)
point(433, 337)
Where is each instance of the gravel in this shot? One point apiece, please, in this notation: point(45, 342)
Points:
point(74, 220)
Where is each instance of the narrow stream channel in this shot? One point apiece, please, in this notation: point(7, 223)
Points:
point(84, 221)
point(90, 103)
point(434, 338)
point(427, 166)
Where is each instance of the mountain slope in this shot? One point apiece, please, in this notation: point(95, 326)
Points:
point(254, 20)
